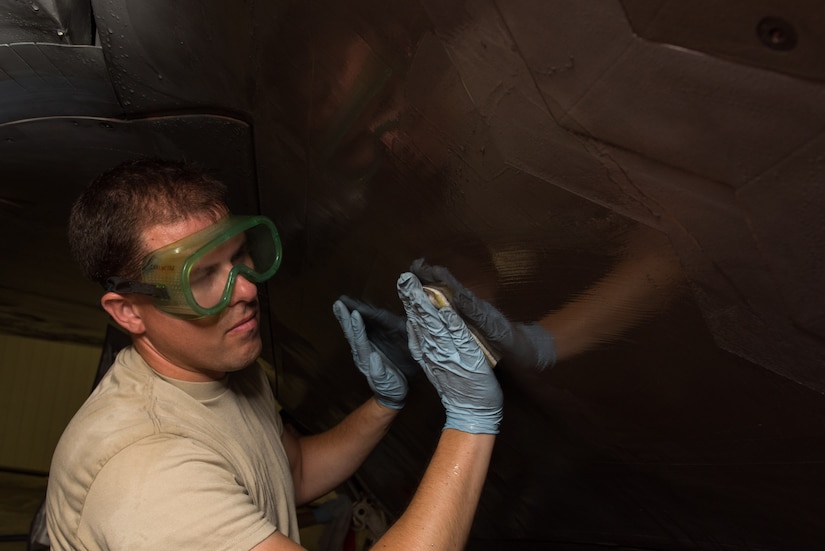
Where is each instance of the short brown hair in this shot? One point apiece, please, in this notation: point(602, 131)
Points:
point(109, 217)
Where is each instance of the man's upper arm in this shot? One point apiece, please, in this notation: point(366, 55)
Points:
point(169, 492)
point(292, 447)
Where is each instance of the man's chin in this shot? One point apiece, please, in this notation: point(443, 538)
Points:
point(250, 352)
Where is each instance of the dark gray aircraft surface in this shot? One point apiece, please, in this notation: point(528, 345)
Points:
point(646, 177)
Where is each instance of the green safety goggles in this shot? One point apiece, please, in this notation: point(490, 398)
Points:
point(194, 276)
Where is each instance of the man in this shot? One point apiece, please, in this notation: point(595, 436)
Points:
point(180, 445)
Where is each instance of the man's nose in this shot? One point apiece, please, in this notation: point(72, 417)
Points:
point(244, 290)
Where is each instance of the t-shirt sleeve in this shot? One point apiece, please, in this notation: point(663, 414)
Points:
point(167, 492)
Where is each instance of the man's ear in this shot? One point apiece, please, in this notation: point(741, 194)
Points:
point(125, 311)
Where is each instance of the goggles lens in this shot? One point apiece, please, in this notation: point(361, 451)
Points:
point(198, 272)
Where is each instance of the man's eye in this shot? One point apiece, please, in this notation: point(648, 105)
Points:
point(203, 276)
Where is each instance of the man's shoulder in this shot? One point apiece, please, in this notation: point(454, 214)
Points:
point(134, 487)
point(105, 424)
point(129, 404)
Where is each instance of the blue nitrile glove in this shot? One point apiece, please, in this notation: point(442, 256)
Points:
point(388, 333)
point(385, 380)
point(522, 345)
point(455, 365)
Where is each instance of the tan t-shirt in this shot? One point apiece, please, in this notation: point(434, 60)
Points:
point(150, 463)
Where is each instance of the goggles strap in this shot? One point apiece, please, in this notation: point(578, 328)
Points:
point(124, 286)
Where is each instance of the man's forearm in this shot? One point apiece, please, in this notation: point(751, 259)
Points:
point(441, 513)
point(329, 458)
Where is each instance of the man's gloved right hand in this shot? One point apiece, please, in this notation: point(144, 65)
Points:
point(384, 378)
point(387, 332)
point(455, 365)
point(522, 345)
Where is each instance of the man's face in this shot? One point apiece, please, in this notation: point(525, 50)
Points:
point(201, 349)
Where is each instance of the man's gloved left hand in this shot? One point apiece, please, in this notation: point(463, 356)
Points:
point(384, 378)
point(441, 343)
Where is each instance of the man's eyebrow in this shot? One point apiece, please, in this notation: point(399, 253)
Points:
point(237, 251)
point(242, 248)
